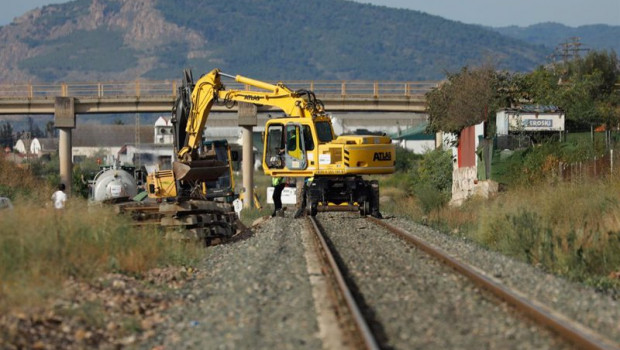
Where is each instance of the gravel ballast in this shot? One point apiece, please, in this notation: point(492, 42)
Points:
point(254, 294)
point(416, 302)
point(594, 310)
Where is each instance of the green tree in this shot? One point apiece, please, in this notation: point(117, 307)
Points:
point(49, 129)
point(583, 87)
point(6, 135)
point(469, 97)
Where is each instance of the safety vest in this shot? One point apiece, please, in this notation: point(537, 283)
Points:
point(275, 181)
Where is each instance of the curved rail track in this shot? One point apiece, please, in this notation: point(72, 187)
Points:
point(574, 332)
point(564, 328)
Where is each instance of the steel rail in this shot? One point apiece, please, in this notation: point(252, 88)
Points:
point(363, 331)
point(570, 330)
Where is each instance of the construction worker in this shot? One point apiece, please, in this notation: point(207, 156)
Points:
point(278, 185)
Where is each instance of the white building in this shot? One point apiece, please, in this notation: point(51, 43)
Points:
point(36, 146)
point(530, 119)
point(163, 131)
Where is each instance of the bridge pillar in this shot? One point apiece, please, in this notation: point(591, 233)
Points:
point(64, 120)
point(248, 120)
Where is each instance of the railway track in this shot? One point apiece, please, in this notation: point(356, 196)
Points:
point(408, 299)
point(358, 331)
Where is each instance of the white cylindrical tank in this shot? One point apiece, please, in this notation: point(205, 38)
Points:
point(113, 184)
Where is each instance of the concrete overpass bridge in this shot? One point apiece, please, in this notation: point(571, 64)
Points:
point(159, 96)
point(66, 100)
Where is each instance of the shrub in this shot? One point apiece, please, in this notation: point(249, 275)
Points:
point(405, 159)
point(431, 181)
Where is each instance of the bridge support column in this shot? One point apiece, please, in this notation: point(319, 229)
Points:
point(247, 119)
point(64, 155)
point(64, 120)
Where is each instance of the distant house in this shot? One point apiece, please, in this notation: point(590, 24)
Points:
point(530, 118)
point(163, 131)
point(90, 140)
point(35, 147)
point(416, 139)
point(42, 146)
point(518, 127)
point(22, 146)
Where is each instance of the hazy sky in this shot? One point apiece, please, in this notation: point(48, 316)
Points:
point(494, 13)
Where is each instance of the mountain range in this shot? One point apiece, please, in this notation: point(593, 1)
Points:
point(111, 40)
point(555, 35)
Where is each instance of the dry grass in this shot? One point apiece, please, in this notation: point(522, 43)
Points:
point(571, 229)
point(17, 182)
point(40, 246)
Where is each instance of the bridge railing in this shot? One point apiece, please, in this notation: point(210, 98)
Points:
point(143, 88)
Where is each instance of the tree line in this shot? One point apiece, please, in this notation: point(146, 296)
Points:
point(585, 88)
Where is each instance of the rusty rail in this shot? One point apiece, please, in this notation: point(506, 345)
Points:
point(574, 332)
point(365, 337)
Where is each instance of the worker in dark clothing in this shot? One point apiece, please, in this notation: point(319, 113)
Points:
point(278, 185)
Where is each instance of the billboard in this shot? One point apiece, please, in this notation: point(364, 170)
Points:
point(513, 121)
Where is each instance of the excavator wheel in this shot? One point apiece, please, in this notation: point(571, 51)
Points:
point(313, 209)
point(365, 208)
point(374, 199)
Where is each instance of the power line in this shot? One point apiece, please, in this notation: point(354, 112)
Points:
point(571, 48)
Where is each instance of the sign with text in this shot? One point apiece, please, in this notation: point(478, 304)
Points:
point(288, 195)
point(537, 123)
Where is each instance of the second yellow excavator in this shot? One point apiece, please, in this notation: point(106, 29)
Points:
point(301, 144)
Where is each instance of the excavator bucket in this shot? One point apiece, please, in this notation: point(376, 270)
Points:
point(203, 170)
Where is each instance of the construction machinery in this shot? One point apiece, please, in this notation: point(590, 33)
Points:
point(194, 198)
point(113, 184)
point(301, 144)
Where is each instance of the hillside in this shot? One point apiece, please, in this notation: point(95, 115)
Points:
point(598, 37)
point(276, 39)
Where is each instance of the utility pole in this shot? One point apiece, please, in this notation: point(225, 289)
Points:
point(569, 49)
point(137, 140)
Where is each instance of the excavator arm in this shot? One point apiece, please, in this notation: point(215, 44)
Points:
point(194, 105)
point(301, 104)
point(203, 95)
point(209, 88)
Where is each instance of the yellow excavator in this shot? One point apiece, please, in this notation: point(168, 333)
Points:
point(301, 144)
point(196, 195)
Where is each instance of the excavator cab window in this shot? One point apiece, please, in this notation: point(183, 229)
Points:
point(324, 132)
point(275, 146)
point(308, 142)
point(295, 153)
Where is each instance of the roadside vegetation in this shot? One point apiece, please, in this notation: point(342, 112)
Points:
point(569, 227)
point(41, 247)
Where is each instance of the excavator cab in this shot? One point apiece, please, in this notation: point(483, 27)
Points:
point(291, 143)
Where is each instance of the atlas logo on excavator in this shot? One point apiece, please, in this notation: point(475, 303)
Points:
point(252, 98)
point(382, 156)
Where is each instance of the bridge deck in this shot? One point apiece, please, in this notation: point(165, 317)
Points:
point(159, 96)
